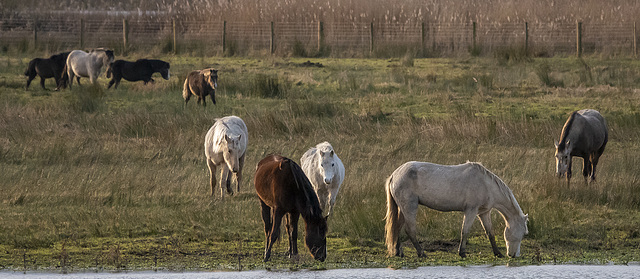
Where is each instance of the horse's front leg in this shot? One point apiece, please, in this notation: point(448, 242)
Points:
point(467, 221)
point(332, 198)
point(292, 230)
point(569, 173)
point(275, 232)
point(586, 169)
point(239, 173)
point(226, 179)
point(42, 83)
point(485, 220)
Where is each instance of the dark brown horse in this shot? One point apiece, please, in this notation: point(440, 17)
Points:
point(284, 190)
point(52, 67)
point(583, 135)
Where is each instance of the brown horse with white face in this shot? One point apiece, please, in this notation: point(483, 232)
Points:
point(583, 135)
point(284, 190)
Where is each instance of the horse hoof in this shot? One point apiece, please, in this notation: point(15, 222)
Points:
point(499, 255)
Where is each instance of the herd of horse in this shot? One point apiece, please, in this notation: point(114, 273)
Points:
point(288, 190)
point(63, 67)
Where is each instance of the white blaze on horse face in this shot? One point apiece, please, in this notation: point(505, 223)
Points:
point(230, 153)
point(327, 166)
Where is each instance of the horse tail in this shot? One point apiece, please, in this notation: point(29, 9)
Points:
point(392, 227)
point(31, 69)
point(185, 89)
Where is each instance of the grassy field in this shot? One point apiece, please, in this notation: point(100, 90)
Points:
point(112, 179)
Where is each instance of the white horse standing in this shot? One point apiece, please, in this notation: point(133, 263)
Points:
point(225, 144)
point(326, 173)
point(469, 188)
point(82, 64)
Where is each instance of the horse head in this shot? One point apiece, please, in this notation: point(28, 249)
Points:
point(316, 238)
point(211, 77)
point(326, 165)
point(514, 232)
point(164, 71)
point(231, 152)
point(563, 157)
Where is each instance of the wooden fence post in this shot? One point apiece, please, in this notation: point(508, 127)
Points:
point(224, 37)
point(579, 39)
point(371, 38)
point(422, 39)
point(320, 36)
point(35, 33)
point(526, 37)
point(635, 40)
point(473, 42)
point(81, 33)
point(272, 40)
point(175, 41)
point(125, 36)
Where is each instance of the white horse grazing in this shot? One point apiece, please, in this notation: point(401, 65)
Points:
point(326, 173)
point(82, 64)
point(469, 188)
point(225, 144)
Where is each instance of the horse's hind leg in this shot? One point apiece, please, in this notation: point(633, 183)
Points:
point(485, 220)
point(275, 232)
point(410, 210)
point(212, 171)
point(467, 221)
point(291, 224)
point(266, 219)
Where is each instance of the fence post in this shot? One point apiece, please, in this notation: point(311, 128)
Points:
point(224, 37)
point(320, 36)
point(175, 42)
point(526, 37)
point(473, 42)
point(125, 36)
point(81, 33)
point(422, 39)
point(579, 39)
point(35, 33)
point(635, 40)
point(371, 38)
point(272, 41)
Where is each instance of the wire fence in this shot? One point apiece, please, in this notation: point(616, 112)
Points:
point(312, 38)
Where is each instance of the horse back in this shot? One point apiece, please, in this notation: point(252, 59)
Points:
point(440, 187)
point(274, 183)
point(587, 132)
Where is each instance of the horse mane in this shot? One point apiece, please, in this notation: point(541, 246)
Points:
point(324, 147)
point(219, 131)
point(313, 209)
point(501, 185)
point(565, 131)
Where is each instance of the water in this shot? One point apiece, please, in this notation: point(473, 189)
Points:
point(543, 271)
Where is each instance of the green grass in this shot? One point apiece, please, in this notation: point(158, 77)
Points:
point(107, 179)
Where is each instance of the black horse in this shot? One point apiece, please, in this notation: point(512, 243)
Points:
point(142, 69)
point(52, 67)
